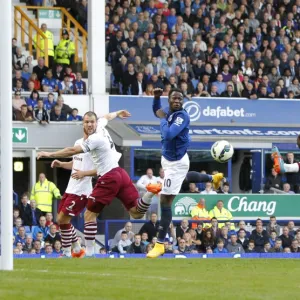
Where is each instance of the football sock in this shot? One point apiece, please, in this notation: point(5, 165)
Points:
point(90, 231)
point(66, 238)
point(165, 221)
point(197, 177)
point(75, 244)
point(292, 168)
point(144, 203)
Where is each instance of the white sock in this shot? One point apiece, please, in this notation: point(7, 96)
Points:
point(67, 251)
point(147, 198)
point(90, 247)
point(291, 168)
point(76, 247)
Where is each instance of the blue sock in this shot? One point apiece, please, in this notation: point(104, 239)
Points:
point(197, 177)
point(165, 221)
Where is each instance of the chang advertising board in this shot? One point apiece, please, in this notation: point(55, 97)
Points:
point(214, 110)
point(248, 206)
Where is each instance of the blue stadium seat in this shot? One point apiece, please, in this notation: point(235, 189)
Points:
point(27, 229)
point(195, 83)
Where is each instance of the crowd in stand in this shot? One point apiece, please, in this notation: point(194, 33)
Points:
point(207, 48)
point(212, 237)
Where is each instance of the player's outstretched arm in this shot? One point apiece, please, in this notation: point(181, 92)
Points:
point(67, 152)
point(169, 133)
point(122, 114)
point(62, 164)
point(156, 106)
point(80, 174)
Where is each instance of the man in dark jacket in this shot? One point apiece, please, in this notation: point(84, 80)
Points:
point(286, 238)
point(258, 238)
point(25, 210)
point(151, 227)
point(274, 180)
point(229, 92)
point(137, 247)
point(52, 235)
point(139, 85)
point(57, 115)
point(35, 214)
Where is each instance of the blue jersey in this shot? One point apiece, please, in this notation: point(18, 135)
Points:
point(174, 130)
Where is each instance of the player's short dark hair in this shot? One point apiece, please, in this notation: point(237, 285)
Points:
point(175, 90)
point(123, 232)
point(90, 114)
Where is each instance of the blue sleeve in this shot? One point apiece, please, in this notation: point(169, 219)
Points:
point(156, 105)
point(169, 133)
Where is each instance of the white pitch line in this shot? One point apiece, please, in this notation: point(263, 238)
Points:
point(106, 275)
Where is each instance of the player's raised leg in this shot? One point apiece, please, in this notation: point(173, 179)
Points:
point(279, 165)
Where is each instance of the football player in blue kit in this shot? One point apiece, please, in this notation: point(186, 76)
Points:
point(174, 127)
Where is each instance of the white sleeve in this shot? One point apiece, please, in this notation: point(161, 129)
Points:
point(102, 122)
point(92, 142)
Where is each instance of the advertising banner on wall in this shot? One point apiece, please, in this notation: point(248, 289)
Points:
point(216, 110)
point(241, 206)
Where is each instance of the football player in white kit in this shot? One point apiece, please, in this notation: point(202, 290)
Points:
point(113, 181)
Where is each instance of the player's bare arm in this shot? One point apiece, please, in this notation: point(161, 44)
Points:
point(67, 152)
point(122, 114)
point(298, 141)
point(62, 164)
point(80, 174)
point(157, 94)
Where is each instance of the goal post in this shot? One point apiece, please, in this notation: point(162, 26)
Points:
point(6, 151)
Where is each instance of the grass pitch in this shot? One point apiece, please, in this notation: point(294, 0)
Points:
point(160, 279)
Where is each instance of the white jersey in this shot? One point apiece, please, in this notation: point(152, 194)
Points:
point(102, 149)
point(82, 162)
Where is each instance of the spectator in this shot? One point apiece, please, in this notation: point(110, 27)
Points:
point(102, 251)
point(52, 235)
point(287, 188)
point(25, 73)
point(292, 229)
point(35, 214)
point(199, 212)
point(295, 247)
point(137, 246)
point(58, 74)
point(17, 225)
point(40, 69)
point(182, 229)
point(278, 247)
point(24, 114)
point(32, 100)
point(139, 85)
point(41, 46)
point(57, 115)
point(151, 227)
point(221, 213)
point(193, 188)
point(208, 189)
point(28, 243)
point(292, 178)
point(49, 82)
point(273, 237)
point(74, 115)
point(208, 240)
point(273, 226)
point(145, 180)
point(65, 86)
point(82, 10)
point(144, 237)
point(234, 246)
point(35, 81)
point(14, 43)
point(40, 228)
point(220, 247)
point(260, 223)
point(57, 247)
point(44, 199)
point(274, 180)
point(65, 109)
point(79, 86)
point(48, 250)
point(242, 239)
point(124, 243)
point(25, 210)
point(258, 238)
point(127, 228)
point(214, 228)
point(40, 114)
point(225, 189)
point(251, 247)
point(18, 102)
point(267, 247)
point(286, 238)
point(160, 178)
point(16, 214)
point(49, 103)
point(21, 237)
point(65, 50)
point(19, 59)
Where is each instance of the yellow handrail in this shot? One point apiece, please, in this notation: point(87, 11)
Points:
point(71, 24)
point(31, 26)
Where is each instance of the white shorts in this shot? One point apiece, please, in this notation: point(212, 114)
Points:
point(175, 173)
